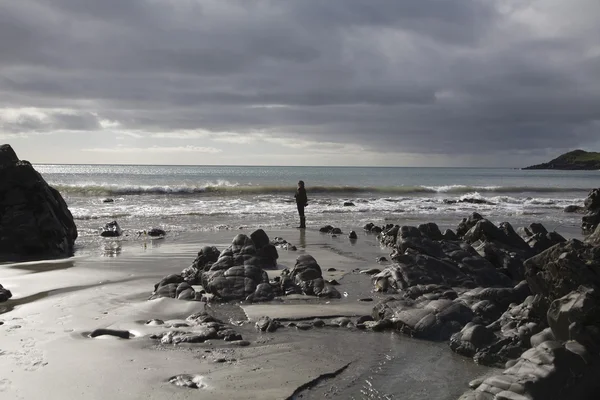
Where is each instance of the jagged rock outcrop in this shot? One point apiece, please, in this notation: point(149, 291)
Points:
point(591, 219)
point(35, 222)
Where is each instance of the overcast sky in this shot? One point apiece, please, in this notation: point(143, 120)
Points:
point(300, 82)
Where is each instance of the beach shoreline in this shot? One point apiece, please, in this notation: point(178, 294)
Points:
point(47, 321)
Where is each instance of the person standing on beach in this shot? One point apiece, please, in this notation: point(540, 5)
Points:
point(301, 202)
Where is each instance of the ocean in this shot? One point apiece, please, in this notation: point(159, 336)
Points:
point(183, 199)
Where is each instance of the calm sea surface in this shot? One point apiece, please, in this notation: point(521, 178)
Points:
point(188, 198)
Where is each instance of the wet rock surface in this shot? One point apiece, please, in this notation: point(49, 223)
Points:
point(202, 327)
point(111, 229)
point(527, 300)
point(35, 222)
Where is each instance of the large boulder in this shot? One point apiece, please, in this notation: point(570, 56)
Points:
point(306, 278)
point(5, 294)
point(236, 273)
point(35, 222)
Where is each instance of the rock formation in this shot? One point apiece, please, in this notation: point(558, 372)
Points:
point(35, 222)
point(238, 273)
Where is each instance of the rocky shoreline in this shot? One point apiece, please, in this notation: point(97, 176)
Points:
point(526, 300)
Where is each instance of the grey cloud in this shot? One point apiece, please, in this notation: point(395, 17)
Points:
point(424, 76)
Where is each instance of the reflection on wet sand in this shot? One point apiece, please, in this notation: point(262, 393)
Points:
point(11, 304)
point(302, 240)
point(42, 266)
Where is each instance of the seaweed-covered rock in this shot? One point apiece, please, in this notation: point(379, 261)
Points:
point(35, 222)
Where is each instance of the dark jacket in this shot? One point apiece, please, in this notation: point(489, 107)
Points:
point(300, 196)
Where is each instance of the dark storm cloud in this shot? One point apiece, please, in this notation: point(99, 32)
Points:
point(458, 77)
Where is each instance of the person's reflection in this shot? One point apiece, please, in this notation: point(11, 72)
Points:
point(302, 238)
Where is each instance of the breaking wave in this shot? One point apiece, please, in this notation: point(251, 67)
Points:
point(225, 188)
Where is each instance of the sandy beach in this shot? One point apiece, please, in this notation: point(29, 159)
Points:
point(56, 304)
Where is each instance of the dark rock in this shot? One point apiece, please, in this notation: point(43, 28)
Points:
point(434, 320)
point(579, 307)
point(467, 223)
point(348, 204)
point(471, 339)
point(318, 323)
point(307, 277)
point(326, 229)
point(235, 283)
point(369, 226)
point(5, 294)
point(336, 231)
point(156, 232)
point(111, 229)
point(304, 326)
point(431, 231)
point(450, 235)
point(376, 229)
point(474, 200)
point(549, 371)
point(259, 238)
point(574, 209)
point(562, 268)
point(352, 235)
point(381, 259)
point(484, 231)
point(35, 222)
point(108, 200)
point(263, 292)
point(363, 319)
point(591, 219)
point(266, 324)
point(541, 337)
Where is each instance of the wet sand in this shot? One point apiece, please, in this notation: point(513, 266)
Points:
point(45, 351)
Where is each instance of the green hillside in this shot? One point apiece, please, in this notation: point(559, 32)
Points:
point(573, 160)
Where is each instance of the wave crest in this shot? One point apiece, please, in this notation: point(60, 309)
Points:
point(225, 188)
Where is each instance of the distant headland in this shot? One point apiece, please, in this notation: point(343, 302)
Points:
point(573, 160)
